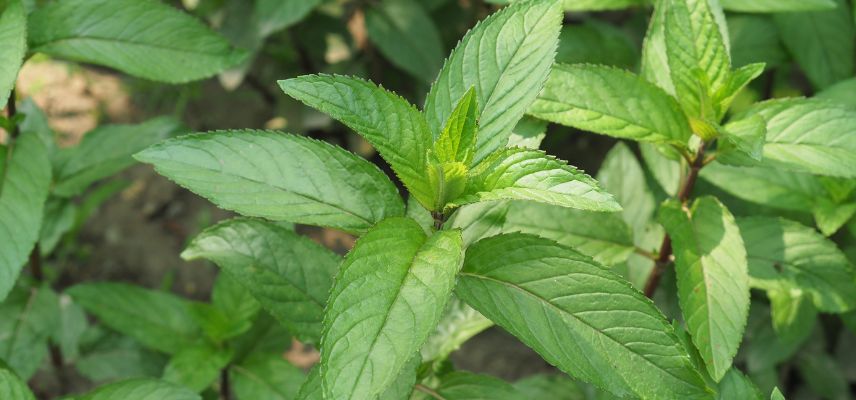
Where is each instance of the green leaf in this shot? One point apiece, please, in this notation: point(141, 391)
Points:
point(773, 6)
point(197, 367)
point(13, 44)
point(448, 181)
point(843, 92)
point(524, 174)
point(742, 141)
point(115, 357)
point(821, 42)
point(234, 300)
point(830, 216)
point(276, 15)
point(735, 83)
point(784, 255)
point(809, 135)
point(735, 385)
point(405, 34)
point(279, 176)
point(143, 38)
point(554, 387)
point(24, 187)
point(611, 102)
point(777, 394)
point(458, 324)
point(794, 315)
point(469, 386)
point(58, 218)
point(376, 319)
point(590, 5)
point(602, 236)
point(579, 316)
point(311, 388)
point(140, 389)
point(622, 175)
point(457, 141)
point(528, 133)
point(12, 387)
point(772, 188)
point(28, 317)
point(392, 125)
point(596, 42)
point(507, 57)
point(266, 377)
point(290, 275)
point(755, 39)
point(402, 387)
point(106, 151)
point(713, 278)
point(71, 326)
point(157, 320)
point(666, 171)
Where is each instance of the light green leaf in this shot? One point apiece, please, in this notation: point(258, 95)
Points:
point(311, 388)
point(376, 319)
point(666, 171)
point(524, 174)
point(13, 44)
point(735, 385)
point(742, 141)
point(830, 216)
point(290, 275)
point(612, 102)
point(144, 38)
point(12, 387)
point(406, 35)
point(197, 367)
point(235, 301)
point(821, 42)
point(276, 15)
point(602, 236)
point(24, 186)
point(578, 316)
point(279, 176)
point(459, 323)
point(843, 92)
point(713, 278)
point(777, 394)
point(117, 357)
point(554, 387)
point(402, 387)
point(58, 218)
point(392, 125)
point(590, 5)
point(773, 188)
point(457, 141)
point(71, 326)
point(794, 315)
point(528, 133)
point(786, 255)
point(736, 81)
point(106, 151)
point(596, 42)
point(507, 57)
point(157, 320)
point(772, 6)
point(469, 386)
point(140, 389)
point(266, 377)
point(755, 39)
point(622, 175)
point(809, 135)
point(28, 317)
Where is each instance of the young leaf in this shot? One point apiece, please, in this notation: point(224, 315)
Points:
point(157, 320)
point(809, 135)
point(388, 296)
point(13, 44)
point(144, 38)
point(197, 367)
point(742, 141)
point(713, 278)
point(392, 125)
point(24, 181)
point(12, 387)
point(469, 386)
point(785, 255)
point(290, 275)
point(459, 323)
point(775, 6)
point(773, 188)
point(279, 176)
point(523, 174)
point(737, 80)
point(735, 385)
point(457, 141)
point(27, 320)
point(611, 102)
point(777, 394)
point(405, 34)
point(106, 151)
point(140, 389)
point(822, 42)
point(578, 316)
point(507, 57)
point(266, 377)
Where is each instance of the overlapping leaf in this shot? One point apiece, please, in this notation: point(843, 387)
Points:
point(266, 377)
point(196, 367)
point(28, 317)
point(767, 6)
point(405, 34)
point(12, 388)
point(13, 44)
point(140, 389)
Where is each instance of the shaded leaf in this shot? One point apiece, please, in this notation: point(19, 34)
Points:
point(140, 389)
point(13, 44)
point(406, 35)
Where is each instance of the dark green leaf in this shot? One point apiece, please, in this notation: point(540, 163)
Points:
point(197, 367)
point(140, 389)
point(27, 320)
point(266, 377)
point(405, 34)
point(13, 44)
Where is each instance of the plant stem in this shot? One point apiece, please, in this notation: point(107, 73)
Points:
point(431, 392)
point(225, 386)
point(664, 256)
point(439, 219)
point(11, 111)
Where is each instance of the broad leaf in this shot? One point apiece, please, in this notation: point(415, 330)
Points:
point(197, 367)
point(742, 141)
point(794, 315)
point(469, 386)
point(713, 278)
point(140, 389)
point(459, 323)
point(822, 42)
point(144, 38)
point(392, 125)
point(279, 176)
point(266, 377)
point(290, 275)
point(755, 39)
point(612, 102)
point(388, 296)
point(528, 133)
point(24, 182)
point(578, 316)
point(311, 388)
point(735, 83)
point(117, 357)
point(666, 171)
point(623, 176)
point(106, 151)
point(785, 255)
point(157, 320)
point(234, 301)
point(12, 387)
point(406, 35)
point(507, 58)
point(457, 141)
point(767, 6)
point(275, 15)
point(28, 317)
point(554, 387)
point(13, 44)
point(524, 174)
point(596, 42)
point(735, 385)
point(843, 92)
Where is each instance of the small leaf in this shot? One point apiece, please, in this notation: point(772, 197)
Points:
point(157, 320)
point(290, 275)
point(507, 57)
point(755, 39)
point(140, 389)
point(843, 92)
point(735, 385)
point(579, 316)
point(528, 133)
point(524, 174)
point(770, 6)
point(12, 387)
point(235, 301)
point(279, 176)
point(742, 141)
point(469, 386)
point(311, 388)
point(28, 318)
point(266, 377)
point(448, 181)
point(713, 278)
point(388, 296)
point(13, 44)
point(197, 367)
point(777, 394)
point(457, 141)
point(737, 80)
point(406, 35)
point(147, 38)
point(611, 102)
